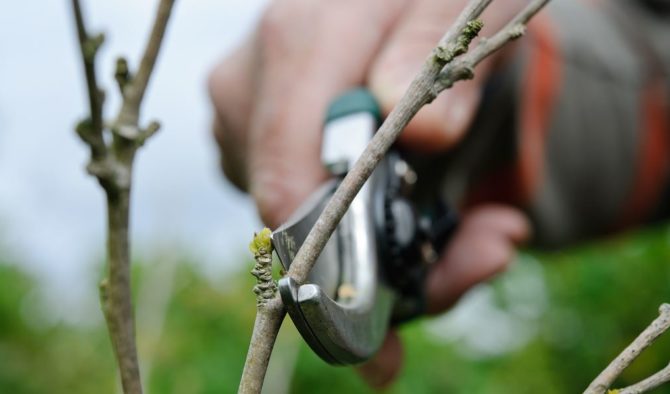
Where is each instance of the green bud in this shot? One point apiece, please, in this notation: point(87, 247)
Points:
point(262, 243)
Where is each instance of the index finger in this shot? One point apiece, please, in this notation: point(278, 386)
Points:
point(305, 64)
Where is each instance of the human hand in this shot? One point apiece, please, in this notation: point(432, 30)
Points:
point(270, 97)
point(271, 94)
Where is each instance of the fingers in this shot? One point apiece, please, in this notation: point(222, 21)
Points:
point(442, 123)
point(383, 368)
point(310, 52)
point(232, 89)
point(271, 95)
point(416, 34)
point(483, 246)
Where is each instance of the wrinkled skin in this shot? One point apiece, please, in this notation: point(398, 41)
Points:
point(270, 96)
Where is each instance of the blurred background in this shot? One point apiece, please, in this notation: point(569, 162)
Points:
point(549, 324)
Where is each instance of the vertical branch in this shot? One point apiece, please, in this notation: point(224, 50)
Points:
point(268, 321)
point(112, 164)
point(115, 292)
point(269, 315)
point(90, 129)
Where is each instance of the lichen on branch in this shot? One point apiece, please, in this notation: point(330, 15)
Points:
point(445, 55)
point(261, 248)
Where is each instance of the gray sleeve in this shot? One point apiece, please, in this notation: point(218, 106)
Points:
point(575, 130)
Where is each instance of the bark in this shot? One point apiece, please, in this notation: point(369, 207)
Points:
point(607, 377)
point(112, 164)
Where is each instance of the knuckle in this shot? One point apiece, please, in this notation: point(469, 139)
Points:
point(274, 196)
point(274, 23)
point(220, 79)
point(231, 160)
point(503, 257)
point(231, 115)
point(279, 185)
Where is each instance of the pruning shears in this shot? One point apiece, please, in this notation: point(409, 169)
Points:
point(371, 272)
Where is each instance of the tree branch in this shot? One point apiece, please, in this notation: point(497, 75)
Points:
point(421, 91)
point(623, 360)
point(462, 68)
point(90, 130)
point(650, 383)
point(112, 164)
point(134, 93)
point(269, 315)
point(268, 321)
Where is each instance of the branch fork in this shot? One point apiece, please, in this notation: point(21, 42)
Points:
point(607, 377)
point(111, 162)
point(448, 63)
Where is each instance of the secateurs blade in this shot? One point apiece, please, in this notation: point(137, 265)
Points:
point(371, 272)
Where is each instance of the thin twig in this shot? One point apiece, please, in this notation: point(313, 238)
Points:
point(462, 67)
point(112, 164)
point(421, 91)
point(449, 45)
point(648, 384)
point(135, 92)
point(623, 360)
point(91, 129)
point(269, 315)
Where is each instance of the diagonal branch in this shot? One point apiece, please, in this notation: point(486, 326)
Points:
point(450, 44)
point(134, 93)
point(603, 381)
point(421, 91)
point(462, 68)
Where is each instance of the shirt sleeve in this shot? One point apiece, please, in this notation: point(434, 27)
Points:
point(576, 130)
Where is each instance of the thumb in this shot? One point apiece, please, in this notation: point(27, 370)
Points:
point(384, 367)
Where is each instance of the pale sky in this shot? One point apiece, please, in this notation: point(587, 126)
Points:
point(51, 211)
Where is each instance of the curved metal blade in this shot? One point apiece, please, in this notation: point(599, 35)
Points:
point(288, 238)
point(347, 329)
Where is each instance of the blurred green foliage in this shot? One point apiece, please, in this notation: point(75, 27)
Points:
point(598, 298)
